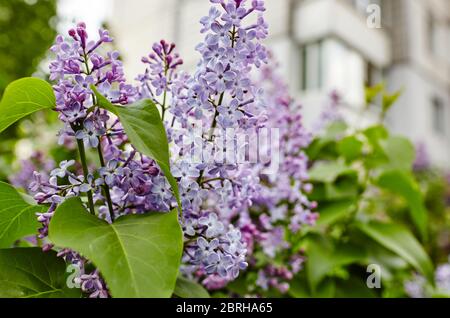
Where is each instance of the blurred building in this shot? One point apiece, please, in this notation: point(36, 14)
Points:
point(326, 45)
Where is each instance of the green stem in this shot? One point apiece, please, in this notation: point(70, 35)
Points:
point(106, 190)
point(38, 241)
point(163, 106)
point(219, 103)
point(86, 62)
point(83, 160)
point(216, 113)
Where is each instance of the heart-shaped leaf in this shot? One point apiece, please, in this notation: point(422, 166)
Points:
point(17, 216)
point(31, 273)
point(188, 289)
point(137, 255)
point(24, 97)
point(144, 127)
point(399, 240)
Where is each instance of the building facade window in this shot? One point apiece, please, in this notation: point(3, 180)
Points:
point(330, 64)
point(311, 56)
point(439, 115)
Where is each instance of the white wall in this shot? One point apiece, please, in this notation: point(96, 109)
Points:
point(437, 65)
point(413, 114)
point(423, 76)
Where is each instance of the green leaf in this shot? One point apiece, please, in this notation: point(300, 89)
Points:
point(400, 152)
point(137, 255)
point(354, 287)
point(17, 216)
point(298, 288)
point(403, 184)
point(324, 256)
point(389, 262)
point(372, 92)
point(146, 132)
point(24, 97)
point(31, 273)
point(346, 186)
point(347, 253)
point(350, 148)
point(389, 100)
point(324, 145)
point(326, 289)
point(335, 211)
point(375, 134)
point(240, 285)
point(328, 171)
point(335, 130)
point(399, 240)
point(185, 288)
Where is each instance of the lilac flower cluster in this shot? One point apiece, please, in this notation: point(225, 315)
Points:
point(422, 161)
point(90, 283)
point(272, 276)
point(220, 93)
point(331, 113)
point(219, 96)
point(282, 208)
point(201, 112)
point(291, 182)
point(125, 181)
point(36, 162)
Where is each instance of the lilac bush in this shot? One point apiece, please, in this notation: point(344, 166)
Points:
point(78, 65)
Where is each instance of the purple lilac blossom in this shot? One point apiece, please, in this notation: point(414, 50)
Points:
point(422, 161)
point(79, 64)
point(219, 95)
point(37, 161)
point(330, 113)
point(133, 181)
point(281, 206)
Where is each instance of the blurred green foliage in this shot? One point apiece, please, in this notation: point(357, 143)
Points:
point(375, 210)
point(27, 31)
point(351, 171)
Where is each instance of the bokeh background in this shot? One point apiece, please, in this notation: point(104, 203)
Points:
point(322, 46)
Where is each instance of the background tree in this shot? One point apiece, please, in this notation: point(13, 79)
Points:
point(28, 28)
